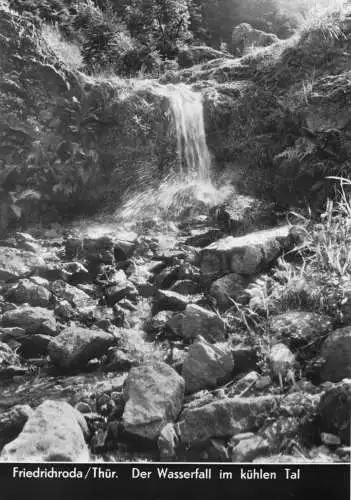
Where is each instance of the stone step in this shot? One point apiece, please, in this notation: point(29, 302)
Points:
point(245, 255)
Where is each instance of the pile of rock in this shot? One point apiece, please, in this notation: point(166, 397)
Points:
point(205, 393)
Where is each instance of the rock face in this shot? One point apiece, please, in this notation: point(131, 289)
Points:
point(244, 36)
point(16, 263)
point(244, 255)
point(75, 346)
point(154, 395)
point(206, 365)
point(223, 418)
point(31, 319)
point(197, 321)
point(229, 287)
point(54, 432)
point(336, 352)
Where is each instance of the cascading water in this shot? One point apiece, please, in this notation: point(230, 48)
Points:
point(190, 187)
point(193, 154)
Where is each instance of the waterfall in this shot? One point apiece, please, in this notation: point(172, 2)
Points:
point(193, 154)
point(190, 188)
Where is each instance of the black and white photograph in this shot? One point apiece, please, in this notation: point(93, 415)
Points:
point(175, 242)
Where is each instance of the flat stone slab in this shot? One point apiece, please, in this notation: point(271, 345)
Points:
point(223, 418)
point(244, 255)
point(31, 319)
point(75, 346)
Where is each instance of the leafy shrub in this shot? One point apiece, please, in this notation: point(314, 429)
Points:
point(141, 60)
point(104, 49)
point(105, 39)
point(88, 14)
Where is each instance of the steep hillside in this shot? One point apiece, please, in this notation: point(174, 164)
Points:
point(280, 114)
point(67, 140)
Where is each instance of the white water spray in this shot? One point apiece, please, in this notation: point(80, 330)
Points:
point(191, 188)
point(193, 154)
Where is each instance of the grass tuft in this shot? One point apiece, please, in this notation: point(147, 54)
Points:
point(67, 52)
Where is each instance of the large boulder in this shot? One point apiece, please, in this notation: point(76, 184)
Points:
point(223, 418)
point(15, 263)
point(206, 365)
point(336, 352)
point(28, 292)
point(245, 254)
point(75, 346)
point(197, 321)
point(54, 432)
point(154, 395)
point(244, 36)
point(31, 319)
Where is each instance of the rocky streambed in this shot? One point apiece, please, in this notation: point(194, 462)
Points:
point(121, 345)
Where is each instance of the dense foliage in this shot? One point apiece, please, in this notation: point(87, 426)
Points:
point(129, 36)
point(71, 136)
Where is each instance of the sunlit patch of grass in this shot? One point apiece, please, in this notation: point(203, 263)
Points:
point(67, 52)
point(329, 242)
point(324, 16)
point(315, 281)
